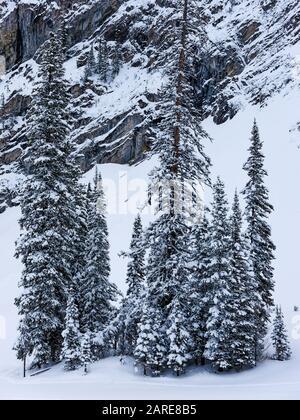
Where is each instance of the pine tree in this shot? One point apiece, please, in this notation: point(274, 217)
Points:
point(98, 292)
point(91, 67)
point(71, 335)
point(244, 297)
point(63, 33)
point(130, 311)
point(178, 142)
point(218, 324)
point(86, 353)
point(150, 348)
point(280, 338)
point(201, 286)
point(48, 223)
point(179, 338)
point(258, 209)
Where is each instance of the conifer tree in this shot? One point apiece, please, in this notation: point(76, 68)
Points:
point(201, 286)
point(280, 337)
point(130, 311)
point(178, 142)
point(244, 297)
point(91, 67)
point(179, 338)
point(71, 345)
point(218, 324)
point(258, 210)
point(150, 349)
point(98, 292)
point(48, 222)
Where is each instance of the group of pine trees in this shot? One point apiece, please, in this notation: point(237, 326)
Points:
point(106, 63)
point(196, 292)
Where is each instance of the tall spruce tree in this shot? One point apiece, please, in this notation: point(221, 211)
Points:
point(48, 222)
point(102, 60)
point(218, 324)
point(178, 142)
point(131, 308)
point(98, 292)
point(280, 337)
point(72, 339)
point(258, 210)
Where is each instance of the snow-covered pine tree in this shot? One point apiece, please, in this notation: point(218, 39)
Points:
point(86, 352)
point(48, 222)
point(71, 352)
point(98, 292)
point(280, 337)
point(258, 210)
point(178, 142)
point(244, 297)
point(91, 67)
point(150, 348)
point(218, 324)
point(179, 338)
point(131, 309)
point(201, 286)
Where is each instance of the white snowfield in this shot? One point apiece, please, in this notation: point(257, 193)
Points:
point(109, 379)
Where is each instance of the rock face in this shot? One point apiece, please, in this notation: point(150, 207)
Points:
point(245, 55)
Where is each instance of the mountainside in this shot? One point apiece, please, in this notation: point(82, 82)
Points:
point(248, 54)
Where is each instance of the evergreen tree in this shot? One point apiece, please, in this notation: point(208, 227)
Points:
point(48, 223)
point(179, 338)
point(178, 142)
point(201, 286)
point(244, 297)
point(258, 209)
point(218, 324)
point(98, 292)
point(86, 356)
point(150, 349)
point(280, 337)
point(130, 311)
point(63, 33)
point(71, 335)
point(91, 67)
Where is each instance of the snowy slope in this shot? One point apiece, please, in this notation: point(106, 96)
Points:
point(108, 378)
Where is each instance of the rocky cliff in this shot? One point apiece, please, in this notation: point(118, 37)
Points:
point(247, 54)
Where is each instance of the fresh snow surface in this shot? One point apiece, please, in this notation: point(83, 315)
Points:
point(108, 379)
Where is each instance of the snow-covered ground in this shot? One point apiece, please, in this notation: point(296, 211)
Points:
point(108, 379)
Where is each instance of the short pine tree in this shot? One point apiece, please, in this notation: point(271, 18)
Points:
point(280, 338)
point(150, 348)
point(179, 338)
point(71, 335)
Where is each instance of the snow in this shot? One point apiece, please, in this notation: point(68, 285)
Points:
point(125, 186)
